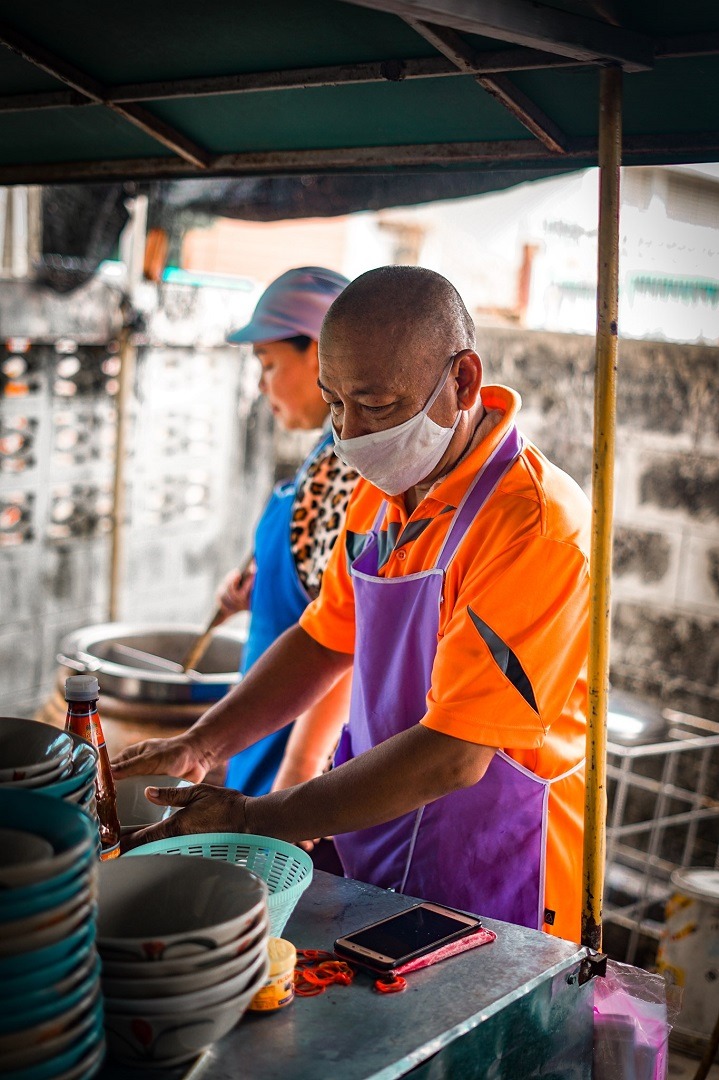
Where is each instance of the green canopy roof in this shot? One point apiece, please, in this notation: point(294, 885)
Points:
point(149, 88)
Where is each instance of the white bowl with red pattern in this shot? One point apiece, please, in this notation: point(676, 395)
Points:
point(182, 1004)
point(166, 1039)
point(135, 968)
point(139, 980)
point(156, 908)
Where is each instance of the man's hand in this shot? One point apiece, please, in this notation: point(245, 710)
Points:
point(204, 809)
point(234, 593)
point(178, 756)
point(293, 673)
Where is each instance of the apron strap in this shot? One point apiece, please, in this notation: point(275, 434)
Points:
point(482, 487)
point(377, 523)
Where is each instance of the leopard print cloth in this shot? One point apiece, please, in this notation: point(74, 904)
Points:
point(317, 516)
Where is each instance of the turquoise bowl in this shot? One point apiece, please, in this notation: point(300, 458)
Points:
point(46, 980)
point(61, 1063)
point(32, 899)
point(27, 1016)
point(30, 892)
point(65, 826)
point(26, 963)
point(84, 763)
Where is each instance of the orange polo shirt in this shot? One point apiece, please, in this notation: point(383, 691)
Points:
point(510, 667)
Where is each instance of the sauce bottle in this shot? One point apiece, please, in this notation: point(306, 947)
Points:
point(81, 694)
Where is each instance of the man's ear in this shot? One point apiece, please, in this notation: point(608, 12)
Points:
point(468, 374)
point(313, 359)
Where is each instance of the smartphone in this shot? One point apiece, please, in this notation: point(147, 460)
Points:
point(391, 942)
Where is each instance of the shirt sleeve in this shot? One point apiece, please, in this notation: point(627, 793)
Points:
point(513, 646)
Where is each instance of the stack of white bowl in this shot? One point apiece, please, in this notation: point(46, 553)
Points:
point(39, 757)
point(51, 1018)
point(183, 943)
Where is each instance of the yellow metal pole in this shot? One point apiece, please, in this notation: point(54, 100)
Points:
point(605, 396)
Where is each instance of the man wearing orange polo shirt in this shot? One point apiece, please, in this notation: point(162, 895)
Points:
point(460, 590)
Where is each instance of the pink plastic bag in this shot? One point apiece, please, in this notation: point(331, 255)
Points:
point(631, 1025)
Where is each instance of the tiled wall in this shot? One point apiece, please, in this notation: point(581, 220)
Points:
point(200, 464)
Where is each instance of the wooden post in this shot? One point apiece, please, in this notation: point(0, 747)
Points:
point(605, 394)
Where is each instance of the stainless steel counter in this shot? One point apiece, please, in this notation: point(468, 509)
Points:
point(509, 1009)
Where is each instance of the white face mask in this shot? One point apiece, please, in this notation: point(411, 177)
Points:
point(397, 458)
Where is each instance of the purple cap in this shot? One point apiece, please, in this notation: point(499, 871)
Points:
point(294, 303)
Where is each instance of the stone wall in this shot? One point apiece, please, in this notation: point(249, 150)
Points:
point(665, 637)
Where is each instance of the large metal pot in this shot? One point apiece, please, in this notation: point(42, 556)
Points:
point(109, 651)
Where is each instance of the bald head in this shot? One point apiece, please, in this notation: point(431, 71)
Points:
point(389, 341)
point(418, 315)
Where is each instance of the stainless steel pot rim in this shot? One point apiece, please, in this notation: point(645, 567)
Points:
point(79, 643)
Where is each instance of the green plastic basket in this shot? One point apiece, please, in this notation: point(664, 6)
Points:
point(286, 869)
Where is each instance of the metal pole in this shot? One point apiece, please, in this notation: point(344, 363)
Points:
point(124, 397)
point(605, 394)
point(133, 243)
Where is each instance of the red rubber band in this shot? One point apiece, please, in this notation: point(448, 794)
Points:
point(314, 980)
point(314, 954)
point(317, 969)
point(309, 991)
point(390, 984)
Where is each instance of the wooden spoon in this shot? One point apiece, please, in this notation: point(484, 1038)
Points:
point(200, 645)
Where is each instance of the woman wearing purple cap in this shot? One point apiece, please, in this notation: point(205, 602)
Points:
point(299, 525)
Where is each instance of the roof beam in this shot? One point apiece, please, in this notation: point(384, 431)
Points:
point(606, 10)
point(489, 62)
point(496, 60)
point(532, 24)
point(463, 56)
point(687, 45)
point(512, 154)
point(82, 83)
point(297, 79)
point(41, 100)
point(526, 111)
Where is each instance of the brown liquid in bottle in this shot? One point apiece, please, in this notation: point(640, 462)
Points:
point(83, 720)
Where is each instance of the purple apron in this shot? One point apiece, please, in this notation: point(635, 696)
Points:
point(480, 849)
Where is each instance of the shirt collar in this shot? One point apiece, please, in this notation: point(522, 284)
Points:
point(453, 487)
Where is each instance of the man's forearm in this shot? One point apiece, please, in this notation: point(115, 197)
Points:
point(294, 673)
point(398, 776)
